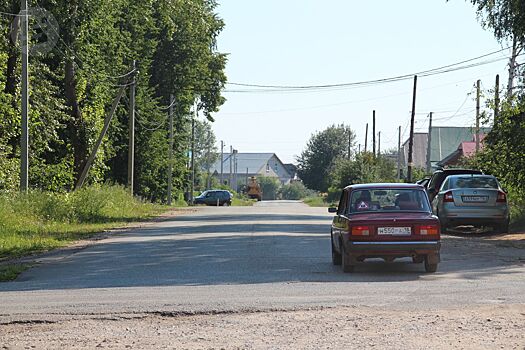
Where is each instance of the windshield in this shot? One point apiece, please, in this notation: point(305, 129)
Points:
point(391, 200)
point(474, 182)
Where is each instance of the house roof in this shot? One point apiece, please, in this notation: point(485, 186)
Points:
point(253, 162)
point(445, 140)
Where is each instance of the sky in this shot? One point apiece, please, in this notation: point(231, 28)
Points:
point(314, 42)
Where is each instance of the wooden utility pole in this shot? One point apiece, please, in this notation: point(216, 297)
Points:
point(222, 163)
point(411, 139)
point(170, 166)
point(496, 100)
point(379, 145)
point(231, 167)
point(478, 97)
point(374, 133)
point(429, 144)
point(399, 155)
point(366, 138)
point(131, 128)
point(93, 154)
point(192, 184)
point(24, 141)
point(349, 144)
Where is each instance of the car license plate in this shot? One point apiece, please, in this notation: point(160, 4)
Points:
point(474, 199)
point(394, 231)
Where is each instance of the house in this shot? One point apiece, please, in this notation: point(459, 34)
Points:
point(465, 149)
point(419, 151)
point(238, 167)
point(445, 141)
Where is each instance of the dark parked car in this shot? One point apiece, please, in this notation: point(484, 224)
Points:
point(439, 177)
point(214, 198)
point(385, 221)
point(473, 200)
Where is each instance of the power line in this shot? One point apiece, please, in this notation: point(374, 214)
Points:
point(434, 71)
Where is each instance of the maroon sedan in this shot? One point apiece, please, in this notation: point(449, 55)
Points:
point(385, 221)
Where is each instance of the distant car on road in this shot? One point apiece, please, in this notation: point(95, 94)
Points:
point(385, 221)
point(474, 200)
point(214, 198)
point(439, 177)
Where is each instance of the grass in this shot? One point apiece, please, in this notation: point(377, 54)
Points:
point(316, 202)
point(243, 202)
point(41, 221)
point(11, 272)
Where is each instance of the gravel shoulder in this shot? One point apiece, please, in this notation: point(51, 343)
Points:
point(488, 327)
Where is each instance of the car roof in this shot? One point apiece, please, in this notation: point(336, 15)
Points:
point(459, 171)
point(383, 186)
point(471, 175)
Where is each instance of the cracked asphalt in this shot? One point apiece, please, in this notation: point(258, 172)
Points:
point(274, 256)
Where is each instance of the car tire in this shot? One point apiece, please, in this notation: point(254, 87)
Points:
point(418, 259)
point(503, 228)
point(225, 204)
point(430, 267)
point(346, 261)
point(336, 256)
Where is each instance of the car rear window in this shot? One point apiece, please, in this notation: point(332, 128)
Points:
point(388, 200)
point(474, 182)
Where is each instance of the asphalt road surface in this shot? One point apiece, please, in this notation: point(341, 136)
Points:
point(275, 255)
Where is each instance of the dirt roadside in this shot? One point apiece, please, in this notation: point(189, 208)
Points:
point(487, 327)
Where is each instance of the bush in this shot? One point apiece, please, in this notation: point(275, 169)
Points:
point(294, 191)
point(270, 187)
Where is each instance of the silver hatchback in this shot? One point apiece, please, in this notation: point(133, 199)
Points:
point(472, 200)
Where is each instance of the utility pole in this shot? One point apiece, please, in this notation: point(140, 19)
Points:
point(349, 144)
point(411, 140)
point(399, 155)
point(24, 142)
point(170, 165)
point(366, 138)
point(478, 96)
point(131, 127)
point(235, 170)
point(231, 167)
point(429, 144)
point(379, 145)
point(496, 100)
point(374, 133)
point(93, 154)
point(512, 67)
point(222, 163)
point(192, 184)
point(359, 152)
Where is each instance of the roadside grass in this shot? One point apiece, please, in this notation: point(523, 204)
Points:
point(41, 221)
point(11, 272)
point(316, 202)
point(243, 202)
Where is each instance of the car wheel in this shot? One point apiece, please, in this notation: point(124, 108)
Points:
point(503, 228)
point(225, 204)
point(336, 256)
point(346, 261)
point(418, 259)
point(430, 267)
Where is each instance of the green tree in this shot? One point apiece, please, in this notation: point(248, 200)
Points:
point(270, 187)
point(322, 151)
point(294, 191)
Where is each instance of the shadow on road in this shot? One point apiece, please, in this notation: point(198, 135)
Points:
point(284, 249)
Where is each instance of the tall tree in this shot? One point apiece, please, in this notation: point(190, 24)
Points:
point(323, 149)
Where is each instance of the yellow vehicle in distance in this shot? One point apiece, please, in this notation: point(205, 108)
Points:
point(254, 190)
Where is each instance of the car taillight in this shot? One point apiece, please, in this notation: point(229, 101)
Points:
point(448, 198)
point(502, 197)
point(360, 231)
point(427, 230)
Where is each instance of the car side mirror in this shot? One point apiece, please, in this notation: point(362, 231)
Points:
point(332, 210)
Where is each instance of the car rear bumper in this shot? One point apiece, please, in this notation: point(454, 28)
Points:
point(398, 249)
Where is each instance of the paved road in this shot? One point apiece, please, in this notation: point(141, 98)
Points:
point(275, 255)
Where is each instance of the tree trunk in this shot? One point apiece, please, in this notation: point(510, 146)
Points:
point(512, 67)
point(76, 124)
point(12, 58)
